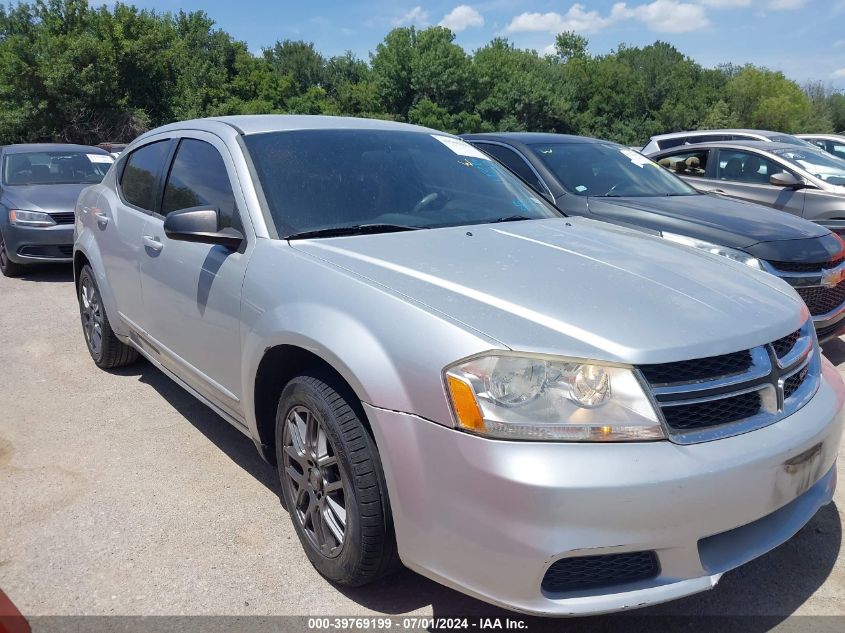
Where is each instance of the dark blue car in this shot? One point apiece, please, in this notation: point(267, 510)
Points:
point(39, 186)
point(608, 182)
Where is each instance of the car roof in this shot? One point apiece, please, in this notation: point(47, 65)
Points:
point(262, 123)
point(51, 147)
point(763, 146)
point(827, 135)
point(719, 131)
point(531, 138)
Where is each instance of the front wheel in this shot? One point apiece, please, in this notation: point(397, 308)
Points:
point(105, 348)
point(332, 483)
point(7, 266)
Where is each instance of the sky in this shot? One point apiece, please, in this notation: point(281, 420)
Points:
point(803, 38)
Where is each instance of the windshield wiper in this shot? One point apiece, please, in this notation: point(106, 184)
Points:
point(355, 229)
point(510, 218)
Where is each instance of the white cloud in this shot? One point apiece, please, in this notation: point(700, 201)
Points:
point(667, 16)
point(576, 19)
point(838, 74)
point(416, 16)
point(839, 44)
point(462, 17)
point(786, 5)
point(726, 4)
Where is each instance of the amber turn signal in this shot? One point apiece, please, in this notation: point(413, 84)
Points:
point(466, 407)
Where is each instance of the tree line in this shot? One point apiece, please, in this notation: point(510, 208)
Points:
point(75, 73)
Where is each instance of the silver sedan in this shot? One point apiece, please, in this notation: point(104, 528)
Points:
point(552, 414)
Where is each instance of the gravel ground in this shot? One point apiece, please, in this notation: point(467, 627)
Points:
point(122, 495)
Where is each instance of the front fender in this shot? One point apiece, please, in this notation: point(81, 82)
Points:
point(390, 350)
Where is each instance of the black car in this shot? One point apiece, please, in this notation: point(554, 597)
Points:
point(39, 186)
point(613, 183)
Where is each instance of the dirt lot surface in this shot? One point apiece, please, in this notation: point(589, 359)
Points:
point(122, 495)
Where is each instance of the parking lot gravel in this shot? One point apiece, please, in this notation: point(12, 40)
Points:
point(122, 495)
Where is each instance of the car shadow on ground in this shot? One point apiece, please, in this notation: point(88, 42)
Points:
point(48, 273)
point(238, 447)
point(755, 597)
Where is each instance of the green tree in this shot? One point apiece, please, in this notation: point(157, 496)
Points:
point(298, 59)
point(765, 99)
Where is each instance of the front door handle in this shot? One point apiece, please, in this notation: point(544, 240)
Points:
point(153, 243)
point(102, 220)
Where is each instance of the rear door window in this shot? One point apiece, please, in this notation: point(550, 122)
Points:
point(138, 183)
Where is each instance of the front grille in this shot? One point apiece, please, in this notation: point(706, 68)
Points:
point(784, 345)
point(63, 218)
point(821, 300)
point(718, 396)
point(698, 369)
point(607, 570)
point(806, 267)
point(687, 417)
point(791, 384)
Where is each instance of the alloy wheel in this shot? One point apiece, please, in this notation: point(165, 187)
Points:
point(92, 315)
point(314, 481)
point(4, 258)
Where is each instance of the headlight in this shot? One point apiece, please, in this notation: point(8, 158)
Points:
point(29, 218)
point(528, 397)
point(724, 251)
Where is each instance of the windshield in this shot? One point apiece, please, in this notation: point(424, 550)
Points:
point(325, 179)
point(606, 170)
point(820, 164)
point(789, 140)
point(55, 167)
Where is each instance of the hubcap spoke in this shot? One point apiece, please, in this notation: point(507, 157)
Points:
point(330, 521)
point(334, 486)
point(313, 480)
point(92, 315)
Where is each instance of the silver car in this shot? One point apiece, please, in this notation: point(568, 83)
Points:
point(831, 143)
point(804, 181)
point(693, 137)
point(551, 414)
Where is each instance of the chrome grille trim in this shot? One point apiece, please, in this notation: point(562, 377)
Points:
point(834, 269)
point(760, 368)
point(767, 376)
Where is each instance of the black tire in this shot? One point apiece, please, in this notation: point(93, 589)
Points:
point(105, 348)
point(368, 548)
point(7, 266)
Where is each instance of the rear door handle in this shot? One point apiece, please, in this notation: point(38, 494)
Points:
point(102, 220)
point(153, 243)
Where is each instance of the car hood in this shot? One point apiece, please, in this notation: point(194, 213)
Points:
point(707, 217)
point(574, 287)
point(46, 198)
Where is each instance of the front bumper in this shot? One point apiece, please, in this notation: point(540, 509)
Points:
point(830, 325)
point(39, 244)
point(488, 517)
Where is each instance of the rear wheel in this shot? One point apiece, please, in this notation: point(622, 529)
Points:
point(105, 348)
point(332, 483)
point(7, 266)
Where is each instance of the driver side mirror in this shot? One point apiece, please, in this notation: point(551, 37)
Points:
point(785, 179)
point(202, 226)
